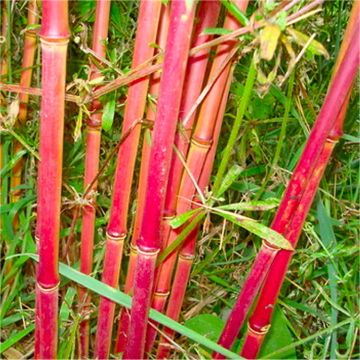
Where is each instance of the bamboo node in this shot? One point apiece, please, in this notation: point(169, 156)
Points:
point(187, 257)
point(147, 252)
point(270, 246)
point(120, 237)
point(48, 289)
point(205, 144)
point(263, 331)
point(162, 294)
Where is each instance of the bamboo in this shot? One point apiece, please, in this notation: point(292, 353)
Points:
point(54, 36)
point(92, 153)
point(195, 159)
point(259, 322)
point(148, 243)
point(117, 228)
point(30, 45)
point(195, 73)
point(292, 206)
point(124, 316)
point(187, 253)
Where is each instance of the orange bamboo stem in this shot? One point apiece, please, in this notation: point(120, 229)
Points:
point(117, 228)
point(30, 45)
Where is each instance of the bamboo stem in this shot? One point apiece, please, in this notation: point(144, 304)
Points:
point(148, 243)
point(54, 39)
point(92, 153)
point(187, 253)
point(124, 316)
point(117, 227)
point(293, 205)
point(30, 45)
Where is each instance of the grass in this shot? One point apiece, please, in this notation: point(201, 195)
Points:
point(319, 299)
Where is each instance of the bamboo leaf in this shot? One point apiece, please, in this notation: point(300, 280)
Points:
point(269, 38)
point(183, 218)
point(108, 113)
point(229, 179)
point(216, 31)
point(79, 118)
point(181, 238)
point(125, 300)
point(12, 340)
point(315, 47)
point(251, 225)
point(236, 12)
point(263, 205)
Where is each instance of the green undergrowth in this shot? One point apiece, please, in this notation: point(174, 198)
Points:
point(316, 315)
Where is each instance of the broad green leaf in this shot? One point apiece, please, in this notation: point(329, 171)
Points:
point(279, 336)
point(252, 205)
point(251, 225)
point(236, 12)
point(183, 218)
point(315, 47)
point(207, 325)
point(229, 179)
point(216, 31)
point(125, 300)
point(269, 38)
point(108, 113)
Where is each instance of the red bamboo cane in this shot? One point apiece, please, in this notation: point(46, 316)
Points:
point(117, 228)
point(259, 322)
point(30, 45)
point(292, 199)
point(54, 39)
point(187, 253)
point(196, 70)
point(197, 154)
point(93, 137)
point(124, 316)
point(148, 244)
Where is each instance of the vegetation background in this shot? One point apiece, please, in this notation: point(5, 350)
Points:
point(319, 299)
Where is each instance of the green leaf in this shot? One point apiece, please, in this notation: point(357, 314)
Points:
point(236, 12)
point(125, 300)
point(251, 225)
point(262, 205)
point(216, 31)
point(281, 20)
point(79, 120)
point(315, 47)
point(207, 325)
point(12, 340)
point(279, 336)
point(108, 113)
point(183, 218)
point(229, 179)
point(181, 238)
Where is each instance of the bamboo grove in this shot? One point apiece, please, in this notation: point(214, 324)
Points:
point(185, 56)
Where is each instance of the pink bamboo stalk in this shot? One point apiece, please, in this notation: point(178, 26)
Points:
point(117, 228)
point(187, 253)
point(148, 243)
point(30, 45)
point(124, 316)
point(54, 39)
point(199, 148)
point(290, 205)
point(93, 138)
point(195, 73)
